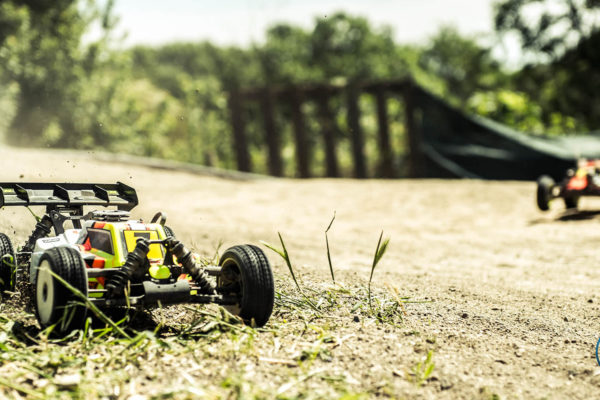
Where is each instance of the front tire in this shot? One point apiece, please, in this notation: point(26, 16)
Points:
point(8, 266)
point(54, 302)
point(246, 273)
point(544, 192)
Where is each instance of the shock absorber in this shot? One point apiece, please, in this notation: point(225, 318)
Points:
point(136, 265)
point(42, 229)
point(184, 256)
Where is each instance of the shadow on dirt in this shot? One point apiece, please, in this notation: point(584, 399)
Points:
point(132, 320)
point(28, 332)
point(578, 215)
point(568, 216)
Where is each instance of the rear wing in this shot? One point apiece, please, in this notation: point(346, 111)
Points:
point(68, 195)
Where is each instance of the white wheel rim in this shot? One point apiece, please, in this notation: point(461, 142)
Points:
point(44, 292)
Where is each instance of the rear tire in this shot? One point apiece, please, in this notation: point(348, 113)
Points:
point(54, 302)
point(544, 192)
point(8, 267)
point(246, 273)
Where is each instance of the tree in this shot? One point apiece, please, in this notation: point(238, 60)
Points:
point(41, 51)
point(547, 28)
point(462, 64)
point(347, 46)
point(560, 40)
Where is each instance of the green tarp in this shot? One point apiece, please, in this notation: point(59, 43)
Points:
point(456, 145)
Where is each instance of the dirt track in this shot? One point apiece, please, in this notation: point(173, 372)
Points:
point(514, 303)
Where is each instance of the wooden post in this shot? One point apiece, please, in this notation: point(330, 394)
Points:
point(302, 145)
point(240, 144)
point(328, 130)
point(271, 137)
point(385, 150)
point(356, 133)
point(415, 168)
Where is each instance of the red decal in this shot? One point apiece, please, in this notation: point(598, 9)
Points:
point(98, 262)
point(577, 183)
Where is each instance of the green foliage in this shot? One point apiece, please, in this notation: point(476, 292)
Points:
point(519, 111)
point(560, 39)
point(346, 46)
point(283, 253)
point(461, 63)
point(41, 53)
point(547, 27)
point(286, 56)
point(60, 88)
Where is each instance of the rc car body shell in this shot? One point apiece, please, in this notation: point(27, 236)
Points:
point(105, 244)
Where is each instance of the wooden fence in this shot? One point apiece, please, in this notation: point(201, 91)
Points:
point(268, 97)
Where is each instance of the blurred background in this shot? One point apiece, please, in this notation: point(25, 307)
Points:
point(312, 88)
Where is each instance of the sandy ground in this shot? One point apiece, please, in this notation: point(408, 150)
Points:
point(512, 293)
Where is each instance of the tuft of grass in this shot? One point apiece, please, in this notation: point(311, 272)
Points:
point(283, 253)
point(351, 301)
point(386, 309)
point(423, 370)
point(379, 253)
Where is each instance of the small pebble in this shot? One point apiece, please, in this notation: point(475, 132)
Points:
point(464, 315)
point(356, 318)
point(67, 380)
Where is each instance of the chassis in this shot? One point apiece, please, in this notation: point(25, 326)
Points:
point(117, 262)
point(584, 180)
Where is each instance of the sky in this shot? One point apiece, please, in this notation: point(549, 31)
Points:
point(244, 22)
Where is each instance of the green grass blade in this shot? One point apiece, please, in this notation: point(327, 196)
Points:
point(91, 305)
point(328, 250)
point(37, 218)
point(330, 223)
point(285, 255)
point(21, 389)
point(379, 252)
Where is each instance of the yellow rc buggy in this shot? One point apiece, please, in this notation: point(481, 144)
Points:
point(115, 261)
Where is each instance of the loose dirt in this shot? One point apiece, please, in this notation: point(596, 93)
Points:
point(506, 297)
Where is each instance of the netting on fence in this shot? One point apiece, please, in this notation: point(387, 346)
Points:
point(453, 144)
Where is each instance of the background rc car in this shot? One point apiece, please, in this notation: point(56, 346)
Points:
point(115, 261)
point(582, 181)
